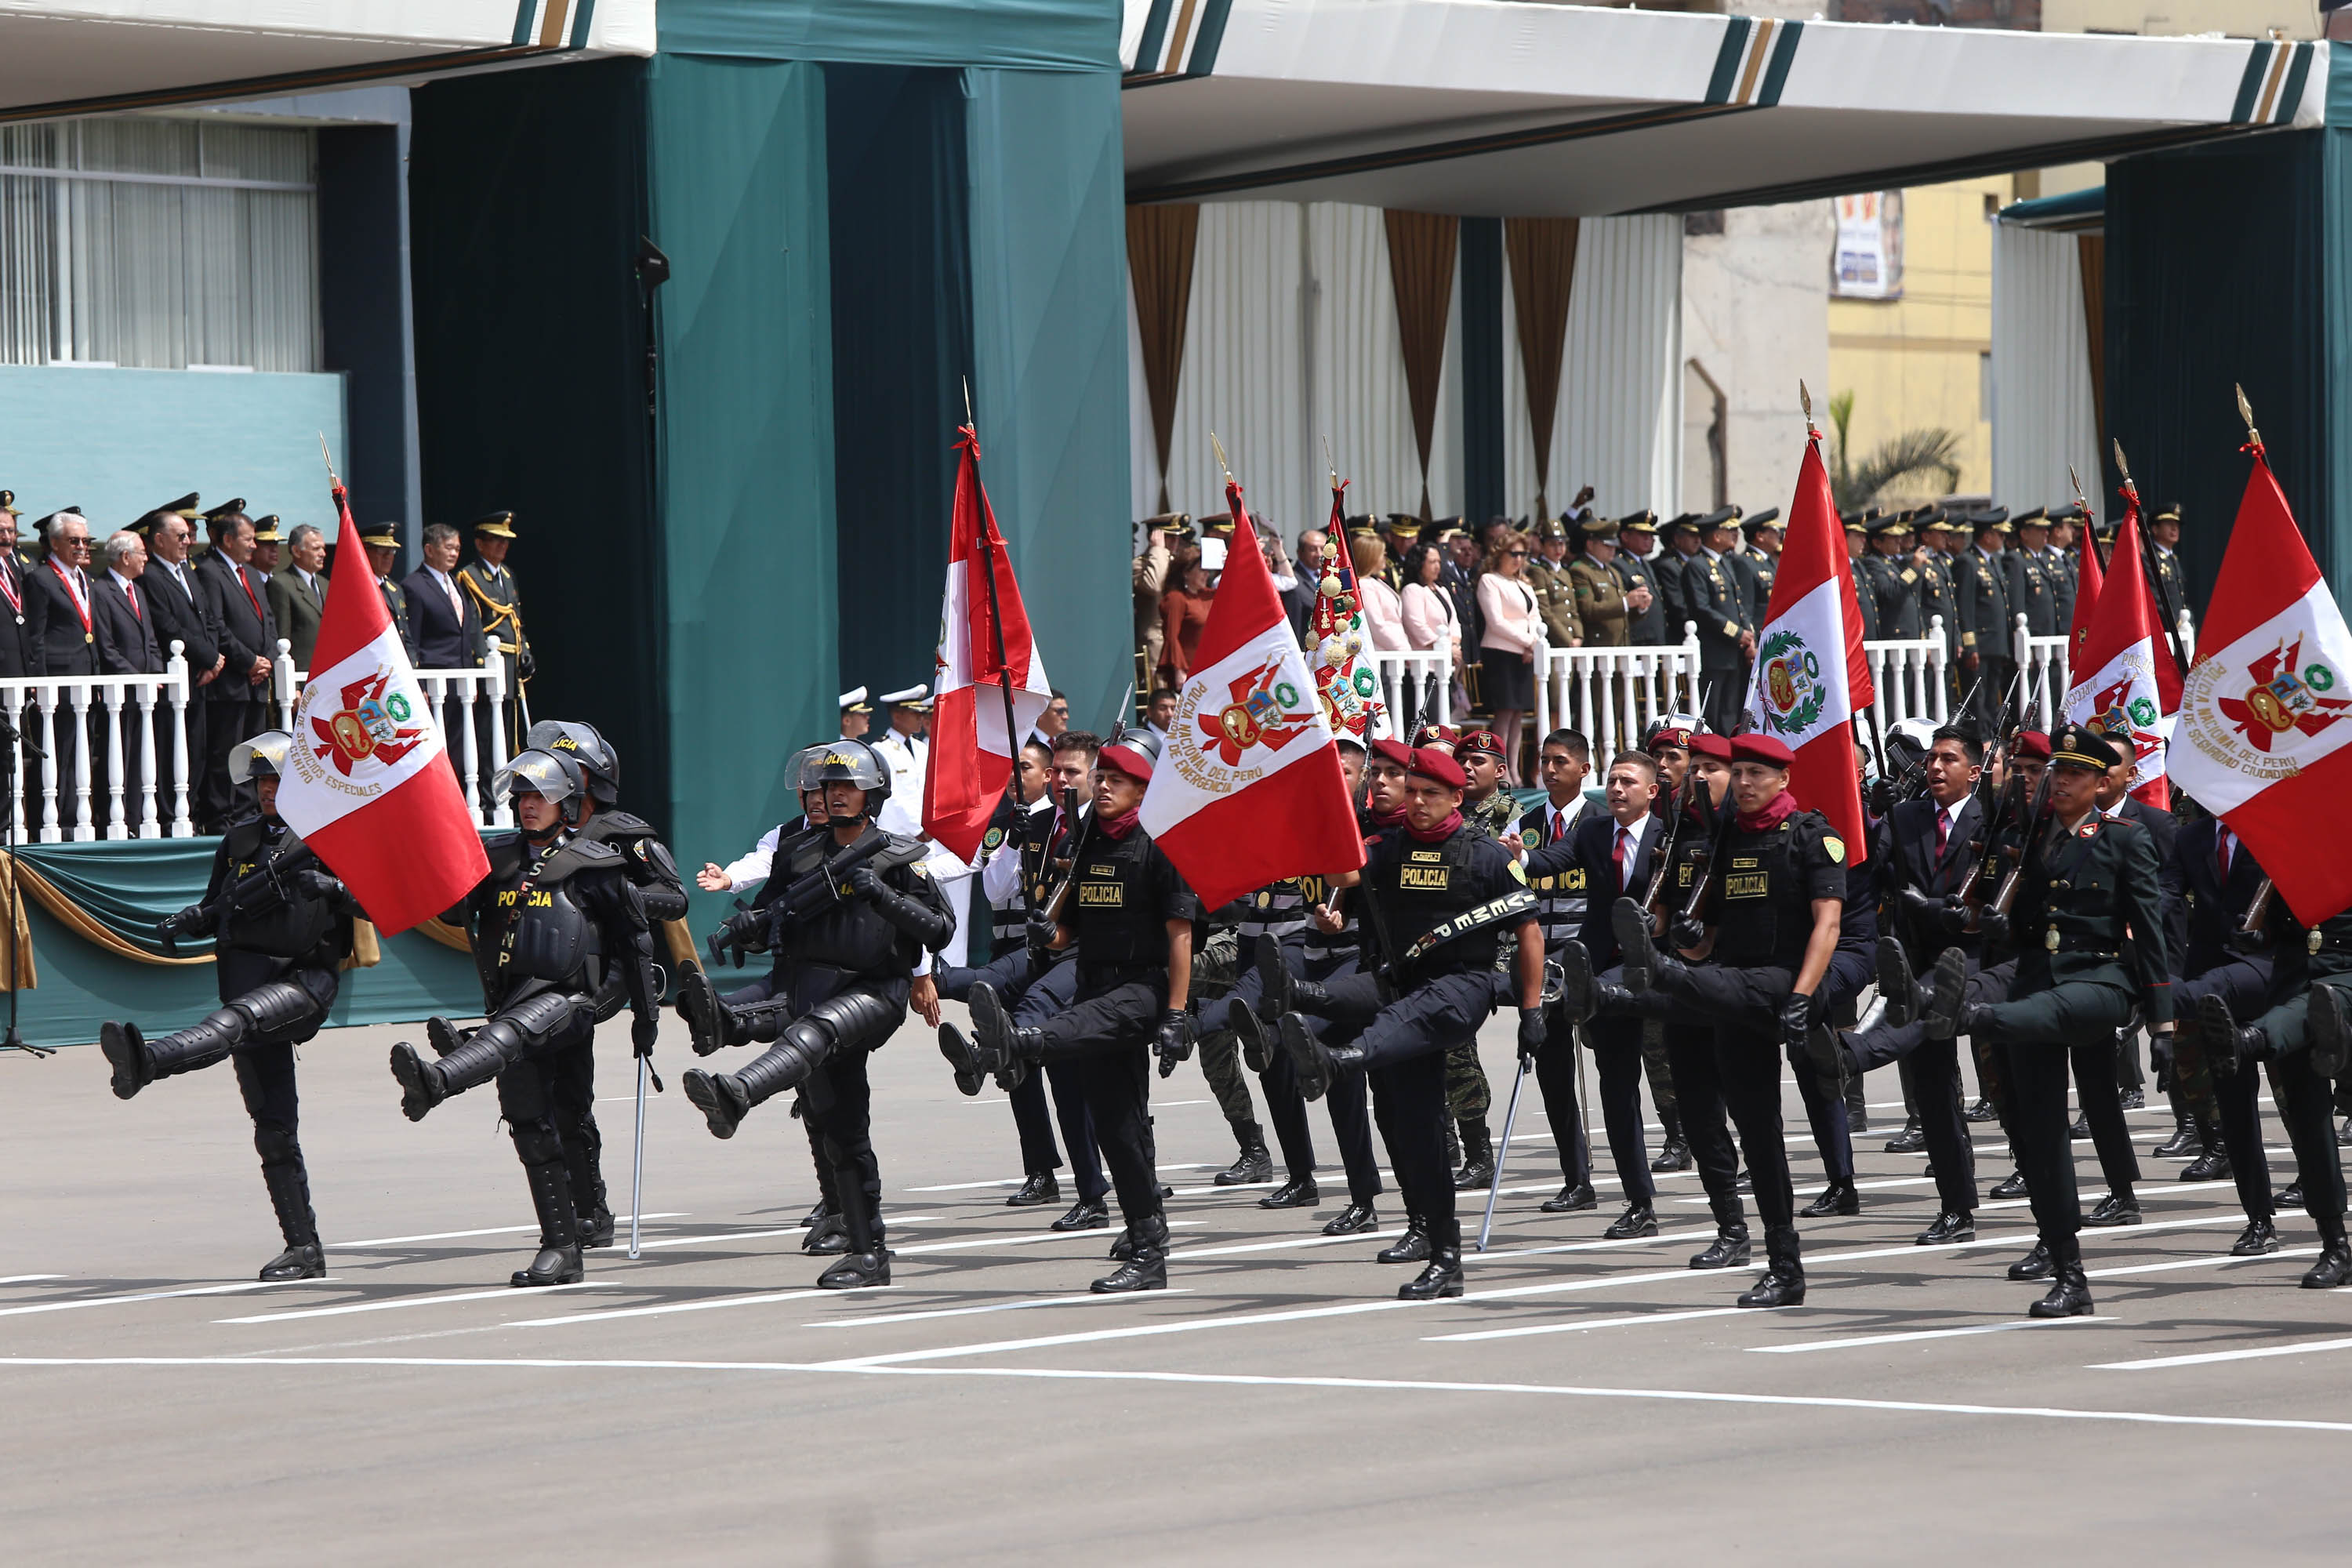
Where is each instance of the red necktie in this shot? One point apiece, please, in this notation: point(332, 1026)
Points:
point(1617, 854)
point(246, 583)
point(132, 593)
point(2222, 855)
point(1943, 831)
point(1559, 826)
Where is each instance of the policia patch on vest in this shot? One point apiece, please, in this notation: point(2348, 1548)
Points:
point(1426, 870)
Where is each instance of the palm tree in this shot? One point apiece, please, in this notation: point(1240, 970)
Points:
point(1914, 452)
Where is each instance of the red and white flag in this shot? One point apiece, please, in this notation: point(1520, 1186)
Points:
point(1248, 789)
point(368, 783)
point(1811, 676)
point(2125, 682)
point(2087, 584)
point(972, 754)
point(2265, 731)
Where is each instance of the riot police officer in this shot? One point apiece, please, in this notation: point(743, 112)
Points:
point(1132, 921)
point(857, 913)
point(562, 932)
point(282, 931)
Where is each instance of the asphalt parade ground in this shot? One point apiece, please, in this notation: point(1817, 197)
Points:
point(1276, 1404)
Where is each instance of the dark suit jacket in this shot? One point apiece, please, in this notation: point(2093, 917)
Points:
point(18, 644)
point(297, 610)
point(1589, 848)
point(126, 641)
point(61, 646)
point(178, 615)
point(395, 603)
point(2164, 828)
point(243, 636)
point(2214, 911)
point(443, 641)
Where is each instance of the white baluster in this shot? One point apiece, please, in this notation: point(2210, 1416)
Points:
point(146, 695)
point(175, 671)
point(78, 698)
point(114, 754)
point(500, 815)
point(48, 825)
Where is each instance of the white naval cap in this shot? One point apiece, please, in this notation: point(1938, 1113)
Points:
point(855, 701)
point(909, 698)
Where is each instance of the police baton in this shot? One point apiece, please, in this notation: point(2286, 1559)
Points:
point(638, 1170)
point(1503, 1152)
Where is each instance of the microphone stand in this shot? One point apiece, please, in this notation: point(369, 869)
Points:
point(10, 742)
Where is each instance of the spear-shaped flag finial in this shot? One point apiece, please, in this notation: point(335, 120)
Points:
point(1805, 400)
point(2246, 413)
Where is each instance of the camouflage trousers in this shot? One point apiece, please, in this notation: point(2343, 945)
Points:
point(1215, 968)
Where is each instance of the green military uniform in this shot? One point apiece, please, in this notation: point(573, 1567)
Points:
point(1600, 594)
point(1763, 564)
point(499, 603)
point(2030, 591)
point(1555, 592)
point(1987, 627)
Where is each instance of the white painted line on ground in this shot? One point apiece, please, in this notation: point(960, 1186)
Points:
point(1576, 1324)
point(1858, 1340)
point(673, 1307)
point(158, 1296)
point(2197, 1263)
point(28, 1278)
point(1102, 1235)
point(966, 1186)
point(2208, 1358)
point(716, 1236)
point(1230, 1380)
point(511, 1292)
point(1073, 1301)
point(1318, 1240)
point(460, 1234)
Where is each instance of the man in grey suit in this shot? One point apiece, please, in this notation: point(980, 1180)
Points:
point(127, 645)
point(297, 591)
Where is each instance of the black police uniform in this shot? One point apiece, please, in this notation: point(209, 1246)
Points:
point(1279, 912)
point(281, 942)
point(842, 977)
point(2089, 927)
point(1768, 881)
point(1418, 889)
point(1125, 893)
point(562, 933)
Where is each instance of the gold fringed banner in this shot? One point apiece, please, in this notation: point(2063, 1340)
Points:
point(366, 951)
point(20, 934)
point(445, 934)
point(71, 916)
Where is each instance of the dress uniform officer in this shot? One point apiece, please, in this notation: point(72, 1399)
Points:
point(266, 543)
point(1987, 621)
point(1447, 895)
point(381, 543)
point(856, 714)
point(491, 585)
point(1778, 900)
point(1600, 591)
point(282, 931)
point(1893, 582)
point(1762, 552)
point(2171, 582)
point(1722, 539)
point(1714, 599)
point(1555, 590)
point(1933, 532)
point(2029, 587)
point(1131, 920)
point(2060, 562)
point(1857, 535)
point(2306, 1035)
point(2089, 925)
point(1646, 607)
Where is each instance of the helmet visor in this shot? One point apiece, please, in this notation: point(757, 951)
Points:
point(264, 756)
point(536, 773)
point(843, 763)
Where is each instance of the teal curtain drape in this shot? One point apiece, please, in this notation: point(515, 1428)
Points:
point(738, 160)
point(1049, 337)
point(1036, 35)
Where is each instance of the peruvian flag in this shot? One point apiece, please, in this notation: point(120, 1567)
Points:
point(1811, 676)
point(368, 783)
point(1248, 789)
point(972, 754)
point(2125, 682)
point(2086, 596)
point(2267, 713)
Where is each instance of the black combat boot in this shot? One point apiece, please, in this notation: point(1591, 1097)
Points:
point(2331, 1031)
point(2119, 1208)
point(558, 1262)
point(472, 1061)
point(1353, 1220)
point(2213, 1163)
point(996, 1047)
point(126, 1052)
point(1673, 1150)
point(1442, 1277)
point(957, 1047)
point(138, 1061)
point(2035, 1265)
point(1910, 1139)
point(1638, 1219)
point(1730, 1249)
point(1412, 1246)
point(1478, 1157)
point(828, 1236)
point(1576, 982)
point(2070, 1292)
point(1316, 1064)
point(1282, 992)
point(1783, 1284)
point(2260, 1236)
point(706, 1015)
point(1648, 966)
point(2011, 1185)
point(1297, 1192)
point(1952, 1225)
point(864, 1261)
point(1254, 1164)
point(726, 1098)
point(1257, 1046)
point(1146, 1267)
point(1949, 999)
point(289, 1194)
point(2335, 1265)
point(1087, 1214)
point(1898, 987)
point(2187, 1138)
point(2226, 1044)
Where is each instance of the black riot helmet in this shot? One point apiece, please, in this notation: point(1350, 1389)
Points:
point(264, 756)
point(599, 765)
point(849, 762)
point(553, 776)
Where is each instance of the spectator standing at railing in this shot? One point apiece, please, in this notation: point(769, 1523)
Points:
point(1514, 625)
point(1555, 592)
point(15, 643)
point(448, 631)
point(127, 645)
point(487, 581)
point(175, 596)
point(239, 699)
point(2029, 581)
point(1305, 588)
point(1183, 611)
point(1890, 582)
point(1430, 626)
point(1635, 566)
point(297, 591)
point(1384, 609)
point(65, 636)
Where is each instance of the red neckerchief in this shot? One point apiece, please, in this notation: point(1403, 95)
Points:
point(1784, 807)
point(80, 608)
point(1383, 820)
point(1438, 835)
point(1118, 827)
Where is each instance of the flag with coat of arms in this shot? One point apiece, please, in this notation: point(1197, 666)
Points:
point(1811, 678)
point(2125, 684)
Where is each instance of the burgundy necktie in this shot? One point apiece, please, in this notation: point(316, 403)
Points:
point(2222, 855)
point(1943, 831)
point(1559, 826)
point(132, 593)
point(1617, 854)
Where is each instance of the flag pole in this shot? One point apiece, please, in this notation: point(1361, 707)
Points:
point(996, 629)
point(2148, 557)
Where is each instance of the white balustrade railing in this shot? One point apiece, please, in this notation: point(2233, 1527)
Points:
point(104, 722)
point(2043, 664)
point(1610, 694)
point(1416, 688)
point(478, 694)
point(1907, 677)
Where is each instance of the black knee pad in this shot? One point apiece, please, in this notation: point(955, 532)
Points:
point(855, 1020)
point(276, 1145)
point(536, 1140)
point(540, 1021)
point(278, 1008)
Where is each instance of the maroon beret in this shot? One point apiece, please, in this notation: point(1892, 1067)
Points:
point(1704, 745)
point(2033, 744)
point(1754, 748)
point(1388, 749)
point(1482, 742)
point(1126, 760)
point(1436, 735)
point(1437, 767)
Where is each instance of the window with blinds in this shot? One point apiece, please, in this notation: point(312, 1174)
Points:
point(162, 243)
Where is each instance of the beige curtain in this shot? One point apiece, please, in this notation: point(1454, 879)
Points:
point(1160, 242)
point(2093, 249)
point(1542, 253)
point(1420, 270)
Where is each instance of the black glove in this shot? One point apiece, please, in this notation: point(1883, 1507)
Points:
point(862, 883)
point(316, 884)
point(642, 1032)
point(1796, 1018)
point(1532, 1031)
point(1923, 906)
point(1042, 933)
point(1684, 934)
point(1174, 1043)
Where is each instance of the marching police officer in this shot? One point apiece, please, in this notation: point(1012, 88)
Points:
point(1446, 896)
point(2222, 882)
point(1779, 896)
point(2089, 926)
point(1132, 919)
point(282, 932)
point(856, 912)
point(562, 932)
